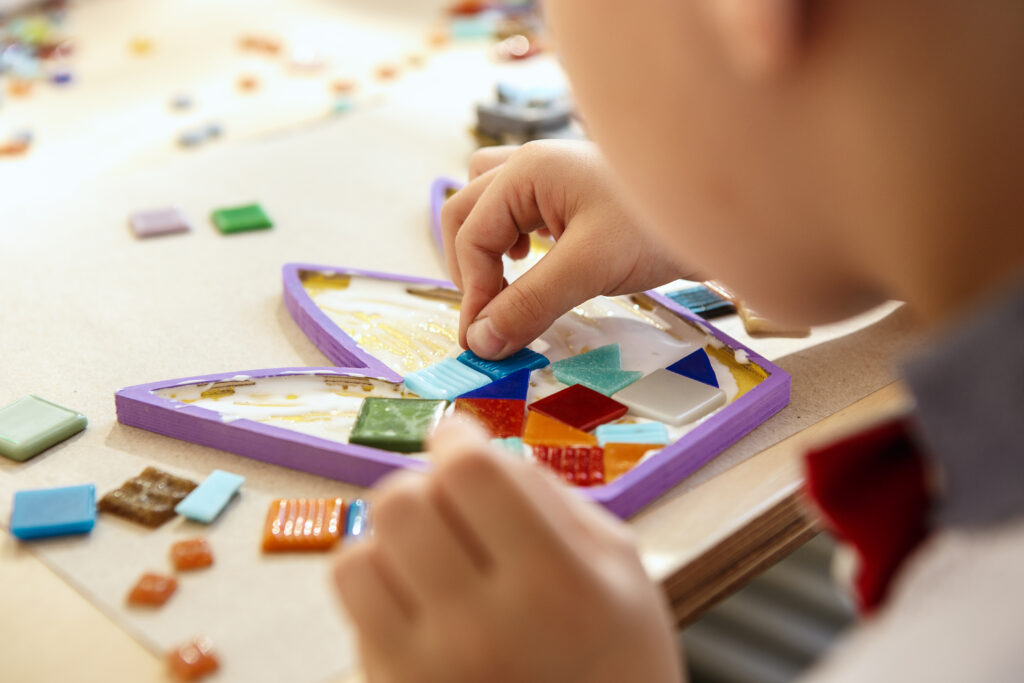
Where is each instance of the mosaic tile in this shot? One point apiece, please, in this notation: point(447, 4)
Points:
point(671, 398)
point(580, 407)
point(396, 424)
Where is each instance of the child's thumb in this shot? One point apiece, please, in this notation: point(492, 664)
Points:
point(529, 306)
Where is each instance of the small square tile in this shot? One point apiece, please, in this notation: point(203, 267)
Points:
point(241, 219)
point(446, 379)
point(41, 513)
point(671, 398)
point(513, 386)
point(357, 521)
point(396, 424)
point(703, 302)
point(193, 660)
point(148, 499)
point(500, 417)
point(578, 465)
point(154, 222)
point(192, 553)
point(303, 524)
point(30, 425)
point(152, 590)
point(696, 366)
point(208, 499)
point(646, 433)
point(542, 430)
point(620, 458)
point(523, 359)
point(512, 445)
point(580, 407)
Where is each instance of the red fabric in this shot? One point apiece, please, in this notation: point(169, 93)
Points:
point(872, 491)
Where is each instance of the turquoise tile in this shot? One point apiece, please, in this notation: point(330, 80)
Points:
point(599, 370)
point(648, 432)
point(41, 513)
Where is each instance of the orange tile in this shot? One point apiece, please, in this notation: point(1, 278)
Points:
point(303, 524)
point(194, 553)
point(620, 458)
point(542, 430)
point(193, 660)
point(152, 590)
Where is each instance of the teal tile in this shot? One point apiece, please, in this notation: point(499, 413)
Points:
point(396, 424)
point(606, 357)
point(599, 370)
point(446, 380)
point(30, 425)
point(648, 432)
point(241, 219)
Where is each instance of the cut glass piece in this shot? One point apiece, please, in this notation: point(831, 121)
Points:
point(164, 221)
point(193, 660)
point(646, 433)
point(303, 524)
point(696, 366)
point(620, 458)
point(30, 425)
point(241, 219)
point(512, 386)
point(523, 359)
point(152, 590)
point(148, 499)
point(396, 424)
point(580, 407)
point(42, 513)
point(668, 397)
point(578, 465)
point(192, 553)
point(446, 380)
point(542, 430)
point(501, 417)
point(208, 499)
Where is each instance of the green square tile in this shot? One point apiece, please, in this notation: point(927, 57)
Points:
point(30, 425)
point(241, 219)
point(396, 424)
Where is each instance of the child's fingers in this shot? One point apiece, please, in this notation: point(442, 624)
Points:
point(499, 321)
point(425, 551)
point(380, 615)
point(486, 158)
point(454, 212)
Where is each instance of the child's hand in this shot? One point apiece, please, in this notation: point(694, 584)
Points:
point(567, 189)
point(489, 570)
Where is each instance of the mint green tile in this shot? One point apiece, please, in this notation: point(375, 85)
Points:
point(30, 425)
point(241, 219)
point(396, 424)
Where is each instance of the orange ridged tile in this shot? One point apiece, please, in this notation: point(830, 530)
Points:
point(542, 430)
point(303, 524)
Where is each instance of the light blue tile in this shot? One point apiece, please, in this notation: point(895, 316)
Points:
point(446, 380)
point(208, 499)
point(54, 512)
point(648, 432)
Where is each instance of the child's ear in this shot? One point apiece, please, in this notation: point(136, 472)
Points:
point(760, 37)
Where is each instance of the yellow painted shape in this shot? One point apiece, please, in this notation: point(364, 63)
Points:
point(218, 392)
point(747, 375)
point(318, 283)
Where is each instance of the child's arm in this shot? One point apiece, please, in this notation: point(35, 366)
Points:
point(603, 246)
point(487, 569)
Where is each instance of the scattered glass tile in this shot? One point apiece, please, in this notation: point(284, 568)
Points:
point(153, 222)
point(181, 102)
point(192, 553)
point(30, 425)
point(357, 521)
point(580, 407)
point(446, 379)
point(501, 417)
point(396, 424)
point(578, 465)
point(620, 458)
point(599, 370)
point(152, 590)
point(512, 386)
point(41, 513)
point(646, 433)
point(303, 524)
point(668, 397)
point(696, 366)
point(241, 219)
point(192, 138)
point(193, 660)
point(147, 499)
point(208, 499)
point(702, 301)
point(523, 359)
point(542, 430)
point(511, 444)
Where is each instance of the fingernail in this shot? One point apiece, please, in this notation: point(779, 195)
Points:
point(483, 340)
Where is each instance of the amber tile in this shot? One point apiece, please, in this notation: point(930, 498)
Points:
point(303, 524)
point(193, 660)
point(148, 499)
point(193, 553)
point(620, 458)
point(542, 430)
point(501, 418)
point(152, 590)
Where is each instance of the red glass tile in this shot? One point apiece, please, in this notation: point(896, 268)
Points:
point(500, 417)
point(578, 465)
point(580, 407)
